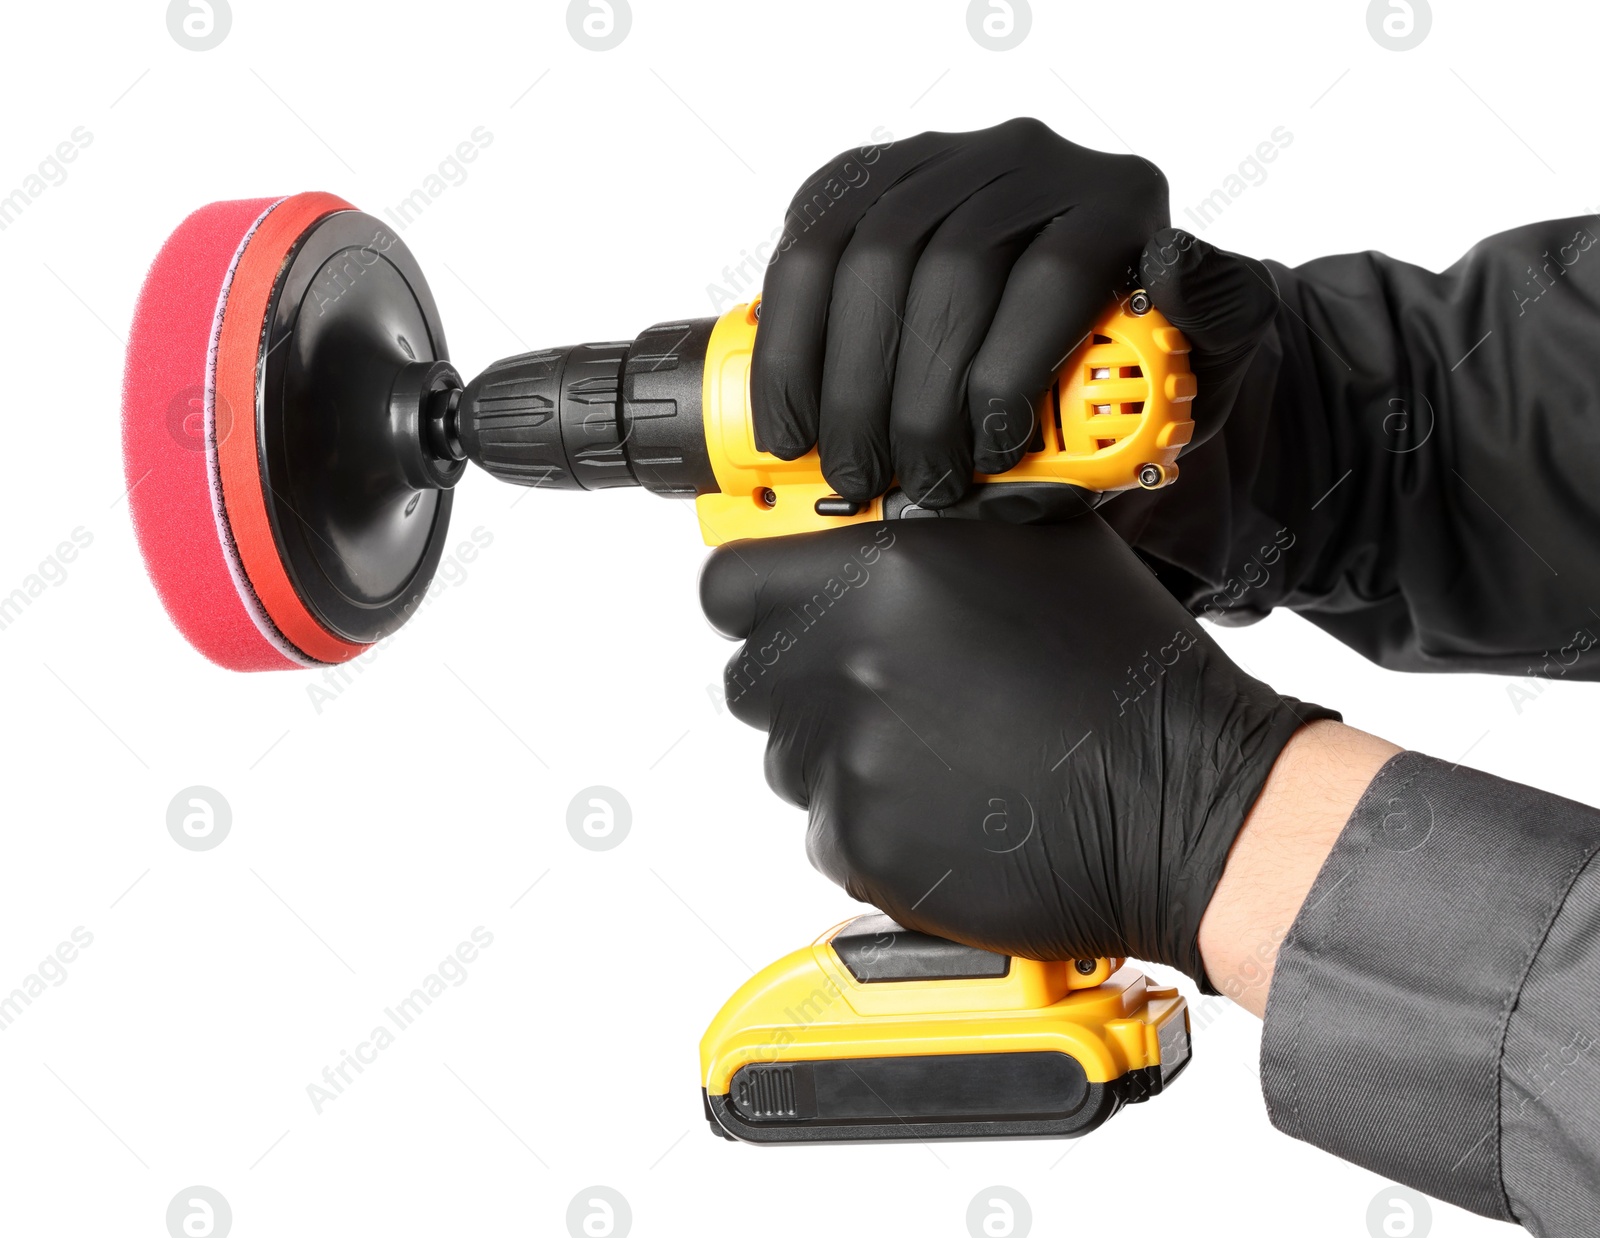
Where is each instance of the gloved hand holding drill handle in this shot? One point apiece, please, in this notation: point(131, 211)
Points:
point(1048, 763)
point(1013, 736)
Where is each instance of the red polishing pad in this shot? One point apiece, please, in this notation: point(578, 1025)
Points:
point(190, 446)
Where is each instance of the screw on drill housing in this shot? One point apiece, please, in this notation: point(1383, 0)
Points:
point(1152, 476)
point(1139, 302)
point(1086, 967)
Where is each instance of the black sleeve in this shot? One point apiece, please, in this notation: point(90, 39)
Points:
point(1432, 1013)
point(1412, 462)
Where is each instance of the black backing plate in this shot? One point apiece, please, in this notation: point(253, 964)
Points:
point(349, 310)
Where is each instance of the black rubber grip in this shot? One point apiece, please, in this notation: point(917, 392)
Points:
point(594, 416)
point(550, 418)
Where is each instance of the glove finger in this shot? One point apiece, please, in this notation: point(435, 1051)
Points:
point(785, 769)
point(858, 374)
point(735, 574)
point(865, 320)
point(1223, 302)
point(954, 293)
point(747, 687)
point(731, 581)
point(786, 368)
point(1059, 287)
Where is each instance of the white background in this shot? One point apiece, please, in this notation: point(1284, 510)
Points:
point(371, 837)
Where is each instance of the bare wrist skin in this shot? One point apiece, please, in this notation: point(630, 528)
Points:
point(1314, 786)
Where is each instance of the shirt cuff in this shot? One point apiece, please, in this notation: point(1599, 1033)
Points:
point(1394, 989)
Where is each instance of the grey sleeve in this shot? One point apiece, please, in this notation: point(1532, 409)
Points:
point(1433, 1009)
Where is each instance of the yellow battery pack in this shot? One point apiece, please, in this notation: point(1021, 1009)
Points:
point(876, 1031)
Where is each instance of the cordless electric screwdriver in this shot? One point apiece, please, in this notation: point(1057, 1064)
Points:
point(293, 431)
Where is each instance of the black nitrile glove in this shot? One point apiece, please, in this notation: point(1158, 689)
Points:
point(1008, 735)
point(1409, 459)
point(1223, 303)
point(924, 292)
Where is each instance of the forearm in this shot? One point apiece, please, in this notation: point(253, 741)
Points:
point(1428, 1012)
point(1307, 800)
point(1409, 461)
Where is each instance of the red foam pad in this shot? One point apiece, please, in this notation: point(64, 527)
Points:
point(164, 443)
point(189, 445)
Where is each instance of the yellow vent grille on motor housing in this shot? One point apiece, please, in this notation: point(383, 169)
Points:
point(1109, 405)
